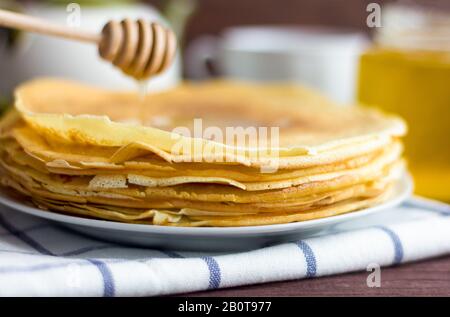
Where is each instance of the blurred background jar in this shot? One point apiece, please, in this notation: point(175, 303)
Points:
point(25, 55)
point(408, 72)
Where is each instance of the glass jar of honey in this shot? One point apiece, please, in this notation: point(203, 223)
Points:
point(407, 72)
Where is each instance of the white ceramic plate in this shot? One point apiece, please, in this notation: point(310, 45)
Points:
point(206, 239)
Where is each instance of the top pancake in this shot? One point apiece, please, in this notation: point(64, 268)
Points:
point(308, 124)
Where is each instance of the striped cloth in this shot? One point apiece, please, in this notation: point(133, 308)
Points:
point(38, 258)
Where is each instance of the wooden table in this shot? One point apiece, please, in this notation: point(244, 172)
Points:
point(426, 278)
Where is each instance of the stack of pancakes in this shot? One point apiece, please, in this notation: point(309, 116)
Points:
point(168, 159)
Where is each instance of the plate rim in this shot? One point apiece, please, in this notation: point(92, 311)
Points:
point(405, 183)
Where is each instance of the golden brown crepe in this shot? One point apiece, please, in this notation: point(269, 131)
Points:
point(74, 113)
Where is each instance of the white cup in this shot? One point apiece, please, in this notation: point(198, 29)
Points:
point(322, 58)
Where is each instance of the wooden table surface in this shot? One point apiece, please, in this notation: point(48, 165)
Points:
point(425, 278)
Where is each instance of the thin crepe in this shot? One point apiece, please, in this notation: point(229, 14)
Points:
point(74, 113)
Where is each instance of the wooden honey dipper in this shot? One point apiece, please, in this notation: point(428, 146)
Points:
point(139, 48)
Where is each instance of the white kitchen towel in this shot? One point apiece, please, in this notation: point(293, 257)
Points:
point(38, 258)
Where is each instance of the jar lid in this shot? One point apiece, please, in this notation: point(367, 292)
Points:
point(414, 27)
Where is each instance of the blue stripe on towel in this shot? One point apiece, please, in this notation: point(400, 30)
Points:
point(172, 254)
point(18, 252)
point(109, 288)
point(23, 237)
point(436, 206)
point(88, 249)
point(214, 272)
point(310, 258)
point(108, 281)
point(55, 266)
point(398, 247)
point(29, 229)
point(38, 267)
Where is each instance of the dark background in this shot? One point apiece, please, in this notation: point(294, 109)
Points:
point(212, 16)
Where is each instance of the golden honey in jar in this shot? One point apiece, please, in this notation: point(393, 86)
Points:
point(408, 72)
